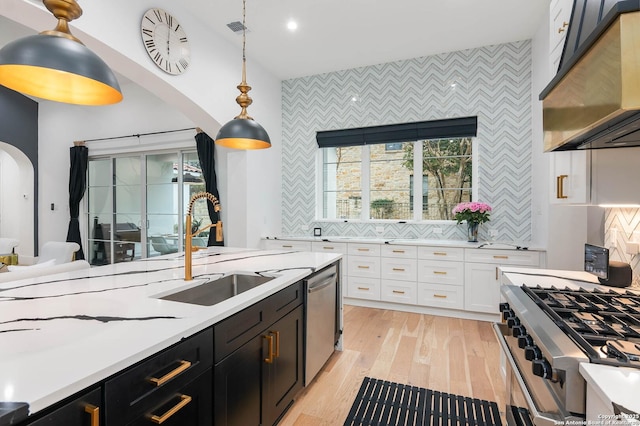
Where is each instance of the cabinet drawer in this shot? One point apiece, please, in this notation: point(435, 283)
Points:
point(231, 333)
point(363, 266)
point(188, 406)
point(77, 412)
point(434, 272)
point(358, 249)
point(135, 391)
point(398, 269)
point(287, 245)
point(503, 257)
point(364, 288)
point(407, 252)
point(399, 292)
point(329, 247)
point(441, 253)
point(440, 296)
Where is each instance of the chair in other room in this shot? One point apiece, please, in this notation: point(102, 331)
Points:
point(57, 251)
point(162, 246)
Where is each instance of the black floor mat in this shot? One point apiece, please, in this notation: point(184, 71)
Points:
point(383, 403)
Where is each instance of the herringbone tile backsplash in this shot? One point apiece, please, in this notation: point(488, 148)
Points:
point(622, 226)
point(492, 82)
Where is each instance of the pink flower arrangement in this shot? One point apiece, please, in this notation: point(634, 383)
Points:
point(472, 212)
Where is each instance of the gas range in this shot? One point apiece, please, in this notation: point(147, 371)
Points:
point(546, 332)
point(605, 324)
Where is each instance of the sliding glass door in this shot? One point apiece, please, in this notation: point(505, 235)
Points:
point(137, 204)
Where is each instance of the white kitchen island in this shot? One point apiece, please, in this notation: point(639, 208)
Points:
point(62, 333)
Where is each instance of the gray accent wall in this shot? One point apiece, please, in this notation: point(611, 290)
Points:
point(492, 82)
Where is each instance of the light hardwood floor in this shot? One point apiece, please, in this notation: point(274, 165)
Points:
point(444, 354)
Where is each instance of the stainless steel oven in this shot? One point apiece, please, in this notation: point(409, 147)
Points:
point(543, 384)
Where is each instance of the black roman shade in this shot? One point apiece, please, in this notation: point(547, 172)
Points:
point(404, 132)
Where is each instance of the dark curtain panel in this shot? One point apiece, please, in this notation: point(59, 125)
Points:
point(206, 149)
point(79, 156)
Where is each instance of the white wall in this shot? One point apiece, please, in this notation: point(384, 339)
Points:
point(204, 96)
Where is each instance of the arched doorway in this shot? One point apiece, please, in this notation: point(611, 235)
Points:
point(17, 198)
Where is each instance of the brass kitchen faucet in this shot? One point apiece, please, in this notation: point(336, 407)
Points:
point(188, 246)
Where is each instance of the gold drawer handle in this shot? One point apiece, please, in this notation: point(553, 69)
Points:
point(440, 272)
point(363, 267)
point(94, 412)
point(398, 269)
point(560, 186)
point(269, 359)
point(440, 296)
point(398, 291)
point(277, 333)
point(170, 375)
point(184, 400)
point(327, 248)
point(363, 288)
point(363, 249)
point(500, 257)
point(439, 253)
point(398, 251)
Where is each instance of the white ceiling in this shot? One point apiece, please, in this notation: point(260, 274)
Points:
point(334, 35)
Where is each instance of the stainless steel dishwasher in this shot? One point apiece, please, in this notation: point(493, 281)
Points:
point(322, 295)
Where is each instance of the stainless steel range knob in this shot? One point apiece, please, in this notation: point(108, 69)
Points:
point(532, 352)
point(542, 368)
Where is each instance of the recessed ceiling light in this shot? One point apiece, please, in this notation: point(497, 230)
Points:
point(292, 25)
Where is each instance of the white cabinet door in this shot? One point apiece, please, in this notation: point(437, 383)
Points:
point(482, 287)
point(570, 177)
point(559, 17)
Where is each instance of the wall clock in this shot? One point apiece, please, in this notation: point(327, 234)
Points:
point(165, 41)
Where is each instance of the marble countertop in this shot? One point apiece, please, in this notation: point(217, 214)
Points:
point(64, 332)
point(615, 384)
point(409, 241)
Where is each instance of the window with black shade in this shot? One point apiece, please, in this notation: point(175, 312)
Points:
point(370, 175)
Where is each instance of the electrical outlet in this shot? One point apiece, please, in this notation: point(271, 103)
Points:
point(493, 232)
point(379, 230)
point(437, 231)
point(614, 237)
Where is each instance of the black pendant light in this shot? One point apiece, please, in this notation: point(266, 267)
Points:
point(55, 65)
point(243, 132)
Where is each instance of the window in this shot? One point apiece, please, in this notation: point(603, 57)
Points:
point(375, 178)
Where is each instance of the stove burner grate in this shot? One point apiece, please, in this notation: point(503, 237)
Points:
point(628, 351)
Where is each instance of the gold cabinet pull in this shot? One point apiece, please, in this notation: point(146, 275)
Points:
point(560, 186)
point(171, 374)
point(269, 358)
point(497, 256)
point(363, 267)
point(277, 333)
point(398, 269)
point(561, 29)
point(398, 291)
point(496, 273)
point(286, 246)
point(440, 272)
point(440, 296)
point(363, 288)
point(362, 249)
point(398, 251)
point(439, 253)
point(327, 248)
point(184, 400)
point(94, 412)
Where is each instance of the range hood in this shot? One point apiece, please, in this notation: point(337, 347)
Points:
point(594, 100)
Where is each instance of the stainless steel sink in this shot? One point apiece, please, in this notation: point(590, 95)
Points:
point(219, 290)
